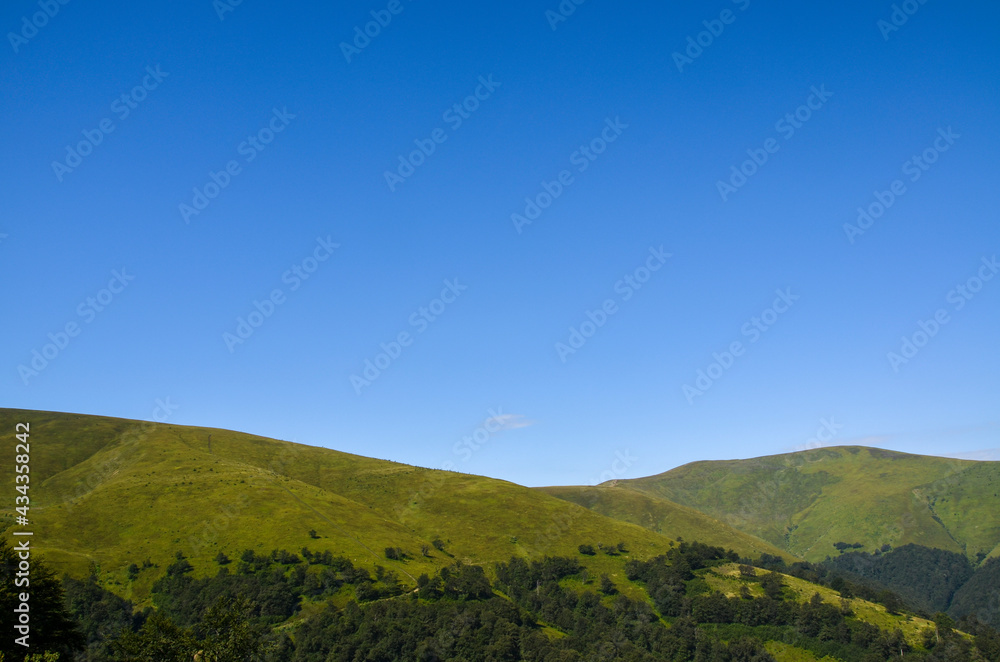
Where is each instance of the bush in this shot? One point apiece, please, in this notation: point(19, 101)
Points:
point(773, 585)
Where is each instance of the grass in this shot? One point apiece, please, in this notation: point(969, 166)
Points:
point(783, 652)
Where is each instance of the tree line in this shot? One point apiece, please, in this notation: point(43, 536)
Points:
point(544, 610)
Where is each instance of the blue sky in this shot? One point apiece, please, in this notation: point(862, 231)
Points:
point(612, 122)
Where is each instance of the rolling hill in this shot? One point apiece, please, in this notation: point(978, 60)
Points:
point(806, 502)
point(108, 492)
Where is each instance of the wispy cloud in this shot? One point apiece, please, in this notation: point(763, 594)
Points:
point(510, 421)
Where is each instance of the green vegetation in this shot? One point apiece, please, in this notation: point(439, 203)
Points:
point(925, 578)
point(283, 607)
point(173, 547)
point(980, 596)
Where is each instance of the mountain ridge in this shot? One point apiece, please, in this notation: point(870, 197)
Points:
point(804, 502)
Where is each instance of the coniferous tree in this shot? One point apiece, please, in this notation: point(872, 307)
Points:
point(51, 626)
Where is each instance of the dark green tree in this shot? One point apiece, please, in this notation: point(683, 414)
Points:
point(229, 632)
point(159, 639)
point(52, 627)
point(772, 585)
point(607, 586)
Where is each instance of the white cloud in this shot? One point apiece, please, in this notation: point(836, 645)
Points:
point(510, 421)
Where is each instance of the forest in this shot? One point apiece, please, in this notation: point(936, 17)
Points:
point(315, 607)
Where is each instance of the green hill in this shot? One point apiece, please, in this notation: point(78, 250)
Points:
point(806, 502)
point(107, 492)
point(664, 517)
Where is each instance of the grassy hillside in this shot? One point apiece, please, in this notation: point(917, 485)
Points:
point(805, 502)
point(664, 517)
point(108, 492)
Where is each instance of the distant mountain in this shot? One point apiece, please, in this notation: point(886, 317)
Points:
point(805, 503)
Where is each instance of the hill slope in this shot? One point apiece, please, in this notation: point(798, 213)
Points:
point(805, 502)
point(107, 492)
point(664, 517)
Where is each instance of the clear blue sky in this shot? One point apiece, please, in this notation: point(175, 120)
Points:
point(326, 130)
